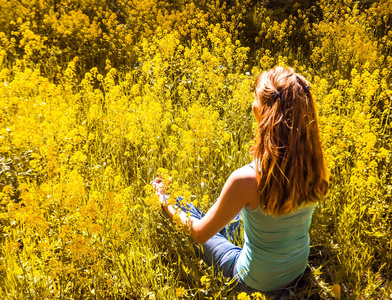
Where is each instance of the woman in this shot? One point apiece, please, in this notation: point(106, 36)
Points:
point(275, 194)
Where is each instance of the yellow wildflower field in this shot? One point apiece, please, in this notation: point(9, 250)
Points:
point(99, 97)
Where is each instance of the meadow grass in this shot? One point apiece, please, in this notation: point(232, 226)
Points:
point(99, 97)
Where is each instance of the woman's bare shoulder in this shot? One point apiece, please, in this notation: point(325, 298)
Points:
point(245, 181)
point(245, 173)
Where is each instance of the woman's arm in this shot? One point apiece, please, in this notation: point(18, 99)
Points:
point(239, 190)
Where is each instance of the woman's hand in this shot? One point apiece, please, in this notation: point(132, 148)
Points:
point(159, 189)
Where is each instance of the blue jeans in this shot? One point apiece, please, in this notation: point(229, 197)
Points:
point(219, 251)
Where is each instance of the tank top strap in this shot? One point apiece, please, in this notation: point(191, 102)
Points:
point(252, 165)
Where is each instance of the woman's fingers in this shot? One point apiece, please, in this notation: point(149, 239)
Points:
point(156, 180)
point(159, 189)
point(158, 186)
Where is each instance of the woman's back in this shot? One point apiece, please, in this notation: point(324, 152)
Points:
point(276, 248)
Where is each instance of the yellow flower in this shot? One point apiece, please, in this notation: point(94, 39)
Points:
point(205, 281)
point(177, 220)
point(336, 290)
point(258, 296)
point(180, 291)
point(243, 296)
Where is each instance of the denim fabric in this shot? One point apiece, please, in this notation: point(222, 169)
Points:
point(218, 250)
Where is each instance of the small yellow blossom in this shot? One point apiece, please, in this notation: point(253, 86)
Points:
point(243, 296)
point(336, 290)
point(205, 281)
point(180, 291)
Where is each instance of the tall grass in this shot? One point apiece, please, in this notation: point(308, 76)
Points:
point(97, 97)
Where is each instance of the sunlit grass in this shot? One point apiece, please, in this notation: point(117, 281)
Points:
point(96, 98)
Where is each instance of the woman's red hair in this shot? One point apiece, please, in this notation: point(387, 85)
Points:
point(289, 160)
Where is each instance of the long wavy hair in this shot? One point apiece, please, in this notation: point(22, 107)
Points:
point(290, 165)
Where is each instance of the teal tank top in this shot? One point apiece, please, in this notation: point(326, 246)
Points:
point(276, 248)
